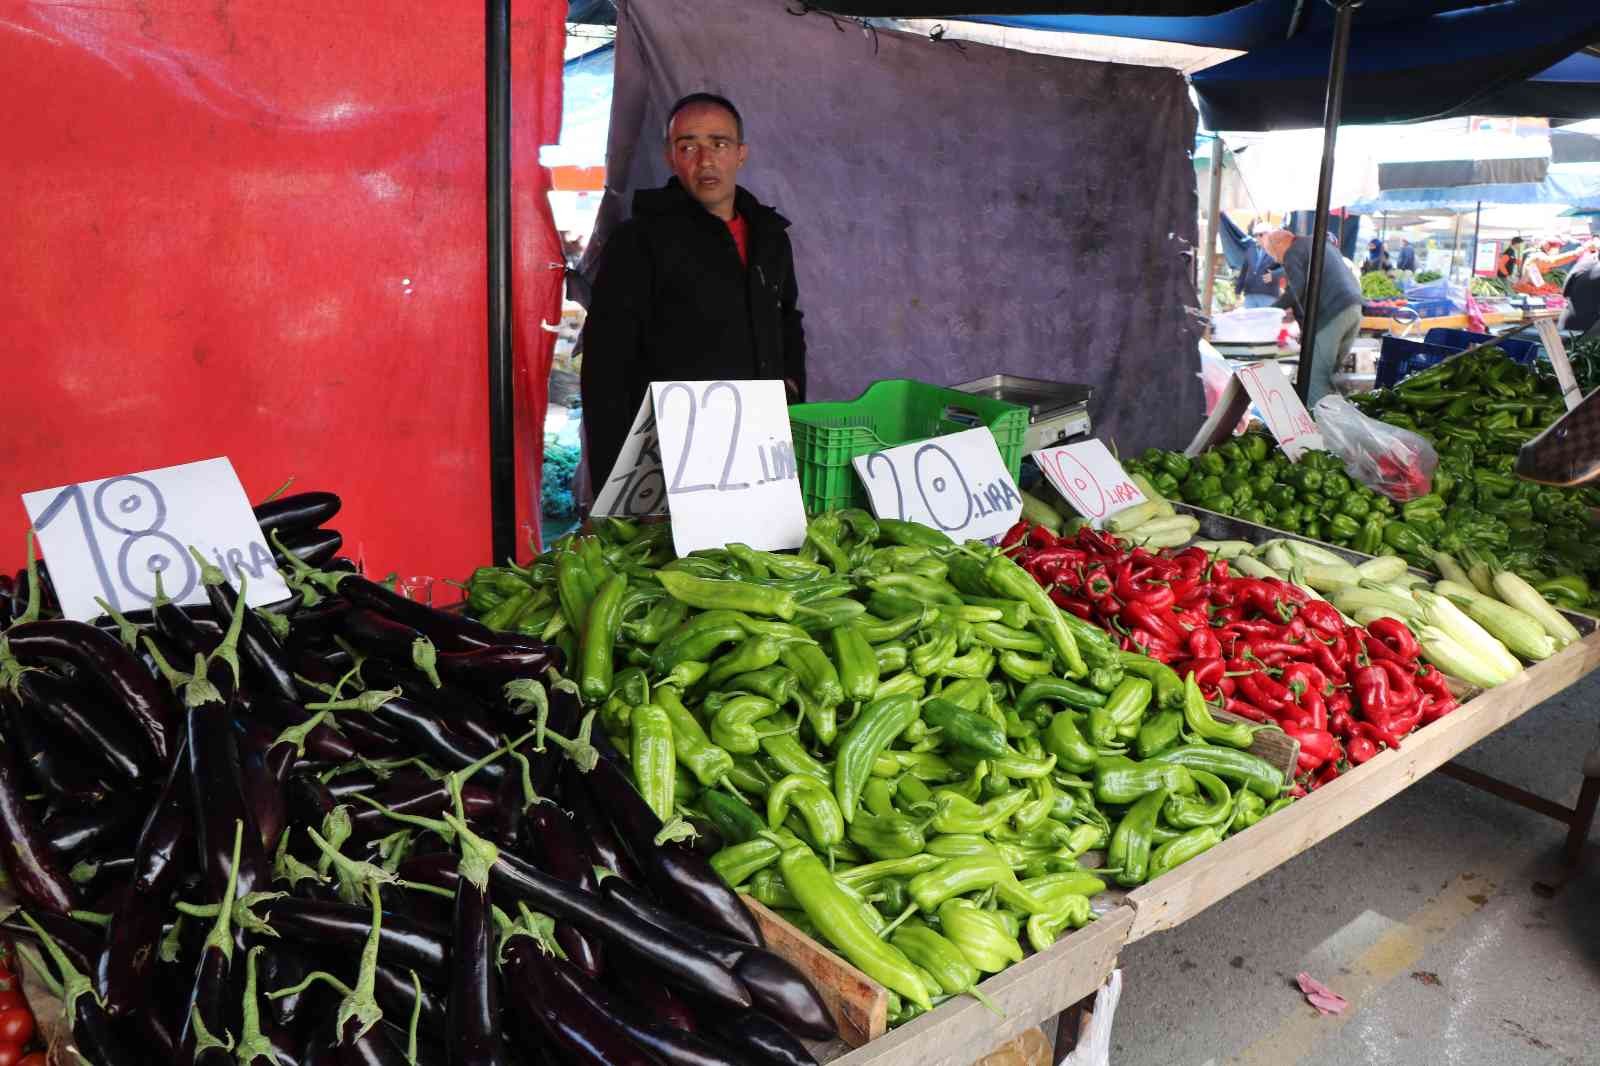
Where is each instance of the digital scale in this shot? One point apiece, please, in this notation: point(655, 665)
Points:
point(1057, 412)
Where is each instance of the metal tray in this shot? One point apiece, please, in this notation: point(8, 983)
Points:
point(1042, 398)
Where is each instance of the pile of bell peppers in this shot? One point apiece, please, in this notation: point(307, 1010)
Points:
point(900, 743)
point(1250, 478)
point(1477, 410)
point(1263, 649)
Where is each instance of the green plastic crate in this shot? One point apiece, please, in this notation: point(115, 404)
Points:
point(828, 435)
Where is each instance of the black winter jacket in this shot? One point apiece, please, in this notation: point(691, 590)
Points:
point(672, 302)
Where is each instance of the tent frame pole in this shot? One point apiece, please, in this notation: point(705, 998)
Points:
point(1472, 255)
point(1208, 265)
point(502, 427)
point(1344, 15)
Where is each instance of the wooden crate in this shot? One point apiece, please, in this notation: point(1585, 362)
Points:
point(1191, 888)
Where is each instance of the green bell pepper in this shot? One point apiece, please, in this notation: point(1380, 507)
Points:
point(1354, 506)
point(1342, 529)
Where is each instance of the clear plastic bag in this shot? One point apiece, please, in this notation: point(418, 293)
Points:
point(1385, 458)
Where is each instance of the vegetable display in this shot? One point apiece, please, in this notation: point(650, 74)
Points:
point(900, 743)
point(1477, 410)
point(353, 828)
point(1378, 285)
point(1260, 646)
point(1250, 478)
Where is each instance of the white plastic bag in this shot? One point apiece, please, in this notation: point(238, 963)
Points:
point(1094, 1040)
point(1385, 458)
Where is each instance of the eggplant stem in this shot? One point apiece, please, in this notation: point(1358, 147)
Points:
point(90, 918)
point(280, 490)
point(354, 874)
point(253, 1044)
point(336, 830)
point(433, 825)
point(425, 657)
point(31, 613)
point(127, 632)
point(297, 734)
point(41, 968)
point(675, 828)
point(174, 677)
point(362, 1004)
point(416, 1016)
point(73, 985)
point(477, 854)
point(228, 650)
point(275, 622)
point(432, 890)
point(171, 945)
point(210, 574)
point(541, 927)
point(221, 935)
point(285, 867)
point(310, 979)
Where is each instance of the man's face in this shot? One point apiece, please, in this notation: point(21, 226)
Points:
point(704, 152)
point(1277, 243)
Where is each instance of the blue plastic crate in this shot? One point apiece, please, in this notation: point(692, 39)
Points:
point(1399, 358)
point(1524, 352)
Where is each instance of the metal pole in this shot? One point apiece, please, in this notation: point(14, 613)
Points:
point(1344, 14)
point(1455, 243)
point(1208, 265)
point(1472, 262)
point(502, 428)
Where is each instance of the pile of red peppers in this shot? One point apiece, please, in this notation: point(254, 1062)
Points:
point(1261, 648)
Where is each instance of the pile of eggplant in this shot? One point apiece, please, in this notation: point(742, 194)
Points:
point(351, 828)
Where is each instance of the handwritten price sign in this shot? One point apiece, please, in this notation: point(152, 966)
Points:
point(108, 539)
point(719, 457)
point(958, 484)
point(1090, 478)
point(1286, 417)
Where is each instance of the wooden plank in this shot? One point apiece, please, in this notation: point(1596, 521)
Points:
point(1273, 745)
point(1197, 884)
point(1571, 395)
point(859, 1005)
point(1039, 987)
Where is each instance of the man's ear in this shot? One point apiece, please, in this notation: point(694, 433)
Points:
point(744, 153)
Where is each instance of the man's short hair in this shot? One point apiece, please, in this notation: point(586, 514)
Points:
point(706, 98)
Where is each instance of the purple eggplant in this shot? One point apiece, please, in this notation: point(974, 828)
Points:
point(474, 1003)
point(31, 866)
point(191, 631)
point(607, 852)
point(654, 1001)
point(456, 706)
point(674, 870)
point(447, 630)
point(777, 987)
point(684, 965)
point(69, 833)
point(583, 1034)
point(265, 767)
point(751, 1033)
point(208, 1011)
point(489, 669)
point(406, 943)
point(425, 801)
point(75, 712)
point(262, 658)
point(216, 782)
point(297, 512)
point(79, 942)
point(314, 547)
point(115, 671)
point(560, 850)
point(54, 764)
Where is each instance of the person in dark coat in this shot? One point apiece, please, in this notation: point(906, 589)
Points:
point(1405, 264)
point(698, 285)
point(1377, 258)
point(1582, 292)
point(1260, 278)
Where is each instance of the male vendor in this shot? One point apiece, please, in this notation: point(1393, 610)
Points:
point(698, 285)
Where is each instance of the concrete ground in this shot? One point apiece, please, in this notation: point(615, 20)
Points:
point(1439, 916)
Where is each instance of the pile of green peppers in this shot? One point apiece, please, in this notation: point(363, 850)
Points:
point(1250, 478)
point(898, 742)
point(1477, 410)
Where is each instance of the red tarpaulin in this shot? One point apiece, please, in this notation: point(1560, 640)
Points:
point(258, 230)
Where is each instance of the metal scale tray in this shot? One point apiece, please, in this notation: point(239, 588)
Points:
point(1057, 412)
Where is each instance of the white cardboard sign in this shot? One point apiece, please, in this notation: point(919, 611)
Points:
point(718, 456)
point(107, 539)
point(957, 483)
point(1263, 385)
point(1090, 478)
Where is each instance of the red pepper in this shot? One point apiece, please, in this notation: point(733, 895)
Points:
point(1265, 693)
point(1040, 537)
point(1316, 746)
point(1219, 569)
point(1139, 615)
point(1361, 749)
point(1316, 709)
point(1207, 672)
point(1402, 689)
point(1378, 651)
point(1264, 599)
point(1061, 554)
point(1202, 644)
point(1246, 709)
point(1301, 678)
point(1403, 722)
point(1323, 655)
point(1376, 733)
point(1068, 602)
point(1016, 534)
point(1227, 685)
point(1254, 628)
point(1432, 682)
point(1434, 709)
point(1328, 772)
point(1372, 693)
point(1226, 614)
point(1265, 649)
point(1321, 616)
point(1340, 724)
point(1158, 598)
point(1395, 636)
point(1186, 591)
point(1096, 583)
point(1291, 592)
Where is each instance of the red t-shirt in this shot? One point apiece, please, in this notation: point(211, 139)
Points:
point(741, 237)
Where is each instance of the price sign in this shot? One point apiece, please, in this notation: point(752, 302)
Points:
point(958, 484)
point(1090, 478)
point(108, 539)
point(718, 456)
point(1286, 417)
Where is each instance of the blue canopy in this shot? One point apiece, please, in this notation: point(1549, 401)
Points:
point(1409, 59)
point(1577, 186)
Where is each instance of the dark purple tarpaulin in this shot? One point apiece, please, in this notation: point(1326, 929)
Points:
point(958, 210)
